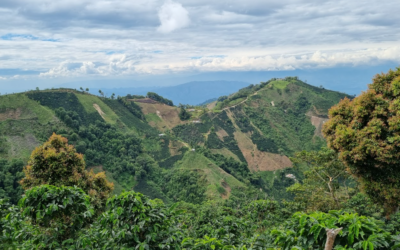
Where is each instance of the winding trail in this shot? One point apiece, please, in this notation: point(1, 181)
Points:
point(255, 93)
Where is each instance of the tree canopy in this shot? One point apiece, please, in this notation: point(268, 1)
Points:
point(366, 133)
point(158, 98)
point(57, 163)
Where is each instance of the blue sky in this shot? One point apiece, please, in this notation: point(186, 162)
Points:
point(117, 43)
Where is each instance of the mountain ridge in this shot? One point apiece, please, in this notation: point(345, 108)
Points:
point(245, 141)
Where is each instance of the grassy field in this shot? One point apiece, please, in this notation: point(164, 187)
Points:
point(28, 108)
point(279, 84)
point(215, 175)
point(89, 102)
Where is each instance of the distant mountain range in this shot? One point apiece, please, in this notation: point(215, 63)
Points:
point(192, 93)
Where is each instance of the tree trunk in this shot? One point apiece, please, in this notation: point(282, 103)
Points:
point(331, 236)
point(333, 192)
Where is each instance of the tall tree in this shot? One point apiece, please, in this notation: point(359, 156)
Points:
point(183, 113)
point(324, 187)
point(366, 133)
point(57, 163)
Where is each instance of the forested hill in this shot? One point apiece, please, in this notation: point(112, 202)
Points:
point(237, 144)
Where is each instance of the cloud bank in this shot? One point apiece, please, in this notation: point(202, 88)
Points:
point(77, 38)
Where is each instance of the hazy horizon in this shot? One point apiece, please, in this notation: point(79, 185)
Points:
point(144, 43)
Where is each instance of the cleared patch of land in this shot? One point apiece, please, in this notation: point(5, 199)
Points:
point(215, 176)
point(210, 106)
point(221, 134)
point(22, 146)
point(19, 106)
point(13, 114)
point(225, 152)
point(318, 122)
point(95, 104)
point(258, 160)
point(161, 116)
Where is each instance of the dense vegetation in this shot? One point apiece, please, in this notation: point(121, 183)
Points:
point(194, 185)
point(65, 216)
point(366, 133)
point(10, 175)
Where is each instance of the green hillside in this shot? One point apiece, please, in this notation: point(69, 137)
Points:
point(244, 142)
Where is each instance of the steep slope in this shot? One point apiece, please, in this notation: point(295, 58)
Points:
point(221, 182)
point(264, 124)
point(116, 136)
point(242, 141)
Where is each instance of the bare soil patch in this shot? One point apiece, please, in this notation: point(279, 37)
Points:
point(258, 160)
point(211, 105)
point(169, 115)
point(97, 107)
point(318, 122)
point(221, 134)
point(174, 147)
point(145, 100)
point(12, 114)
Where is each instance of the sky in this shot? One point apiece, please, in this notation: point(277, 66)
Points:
point(133, 43)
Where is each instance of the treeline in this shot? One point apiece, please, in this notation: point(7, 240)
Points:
point(159, 98)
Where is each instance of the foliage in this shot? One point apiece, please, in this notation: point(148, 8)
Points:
point(134, 221)
point(103, 144)
point(189, 133)
point(132, 107)
point(307, 231)
point(57, 163)
point(159, 98)
point(324, 187)
point(238, 169)
point(366, 133)
point(185, 185)
point(59, 212)
point(10, 174)
point(183, 113)
point(66, 100)
point(223, 122)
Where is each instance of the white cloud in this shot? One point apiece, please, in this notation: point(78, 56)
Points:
point(119, 38)
point(122, 65)
point(172, 16)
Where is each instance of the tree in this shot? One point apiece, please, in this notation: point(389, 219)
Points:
point(59, 212)
point(113, 96)
point(135, 222)
point(10, 174)
point(81, 89)
point(87, 89)
point(324, 187)
point(57, 163)
point(158, 98)
point(366, 133)
point(183, 113)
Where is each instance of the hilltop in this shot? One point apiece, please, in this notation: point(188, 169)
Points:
point(241, 141)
